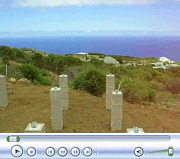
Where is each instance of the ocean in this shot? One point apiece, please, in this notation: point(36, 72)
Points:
point(126, 46)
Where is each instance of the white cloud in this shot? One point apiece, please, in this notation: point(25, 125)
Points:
point(56, 3)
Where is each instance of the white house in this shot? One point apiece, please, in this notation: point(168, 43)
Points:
point(164, 59)
point(82, 53)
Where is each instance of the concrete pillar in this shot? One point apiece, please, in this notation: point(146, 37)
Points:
point(63, 83)
point(116, 111)
point(3, 92)
point(35, 127)
point(110, 86)
point(56, 109)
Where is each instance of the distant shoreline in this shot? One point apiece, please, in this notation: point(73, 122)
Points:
point(133, 46)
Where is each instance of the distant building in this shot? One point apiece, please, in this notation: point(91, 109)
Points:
point(82, 53)
point(164, 59)
point(164, 67)
point(83, 56)
point(157, 63)
point(110, 60)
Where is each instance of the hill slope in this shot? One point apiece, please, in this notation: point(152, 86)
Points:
point(86, 114)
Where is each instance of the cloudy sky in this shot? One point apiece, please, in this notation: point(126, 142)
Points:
point(89, 15)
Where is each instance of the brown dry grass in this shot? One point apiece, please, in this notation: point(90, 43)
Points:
point(86, 114)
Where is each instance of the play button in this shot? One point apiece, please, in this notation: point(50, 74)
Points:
point(16, 151)
point(138, 151)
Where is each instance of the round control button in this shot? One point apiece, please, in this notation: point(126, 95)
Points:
point(63, 151)
point(17, 151)
point(75, 151)
point(31, 151)
point(138, 151)
point(50, 151)
point(87, 151)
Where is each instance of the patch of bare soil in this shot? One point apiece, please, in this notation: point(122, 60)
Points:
point(86, 114)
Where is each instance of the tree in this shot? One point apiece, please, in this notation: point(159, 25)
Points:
point(38, 60)
point(7, 54)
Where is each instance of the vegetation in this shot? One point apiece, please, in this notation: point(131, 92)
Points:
point(118, 58)
point(33, 74)
point(92, 81)
point(96, 62)
point(139, 84)
point(94, 53)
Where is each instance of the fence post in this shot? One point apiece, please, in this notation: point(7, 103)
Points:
point(6, 70)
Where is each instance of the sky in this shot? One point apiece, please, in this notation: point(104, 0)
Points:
point(44, 17)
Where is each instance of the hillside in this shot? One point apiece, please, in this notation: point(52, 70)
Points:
point(86, 114)
point(151, 97)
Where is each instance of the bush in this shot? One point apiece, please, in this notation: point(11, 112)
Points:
point(92, 81)
point(38, 60)
point(21, 60)
point(175, 71)
point(96, 62)
point(94, 53)
point(173, 86)
point(119, 71)
point(152, 95)
point(30, 72)
point(44, 72)
point(2, 69)
point(42, 80)
point(157, 86)
point(18, 75)
point(136, 91)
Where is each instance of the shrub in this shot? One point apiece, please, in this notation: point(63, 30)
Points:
point(119, 71)
point(91, 81)
point(18, 75)
point(94, 53)
point(44, 72)
point(152, 95)
point(21, 60)
point(136, 91)
point(175, 71)
point(2, 69)
point(38, 60)
point(157, 86)
point(173, 86)
point(29, 71)
point(96, 62)
point(42, 80)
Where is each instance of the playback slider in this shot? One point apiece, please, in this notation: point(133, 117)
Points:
point(13, 139)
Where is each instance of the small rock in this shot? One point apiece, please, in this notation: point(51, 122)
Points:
point(12, 80)
point(23, 81)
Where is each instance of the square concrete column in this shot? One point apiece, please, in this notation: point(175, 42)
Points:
point(63, 83)
point(56, 109)
point(116, 111)
point(3, 92)
point(110, 86)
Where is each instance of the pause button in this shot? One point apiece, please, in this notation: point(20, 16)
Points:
point(75, 152)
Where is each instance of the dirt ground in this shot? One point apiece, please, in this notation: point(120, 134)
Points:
point(86, 114)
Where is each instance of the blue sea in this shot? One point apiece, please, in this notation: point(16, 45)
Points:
point(126, 46)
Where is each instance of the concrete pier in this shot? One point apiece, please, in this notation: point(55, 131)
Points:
point(56, 109)
point(63, 84)
point(35, 127)
point(110, 86)
point(116, 111)
point(3, 92)
point(135, 130)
